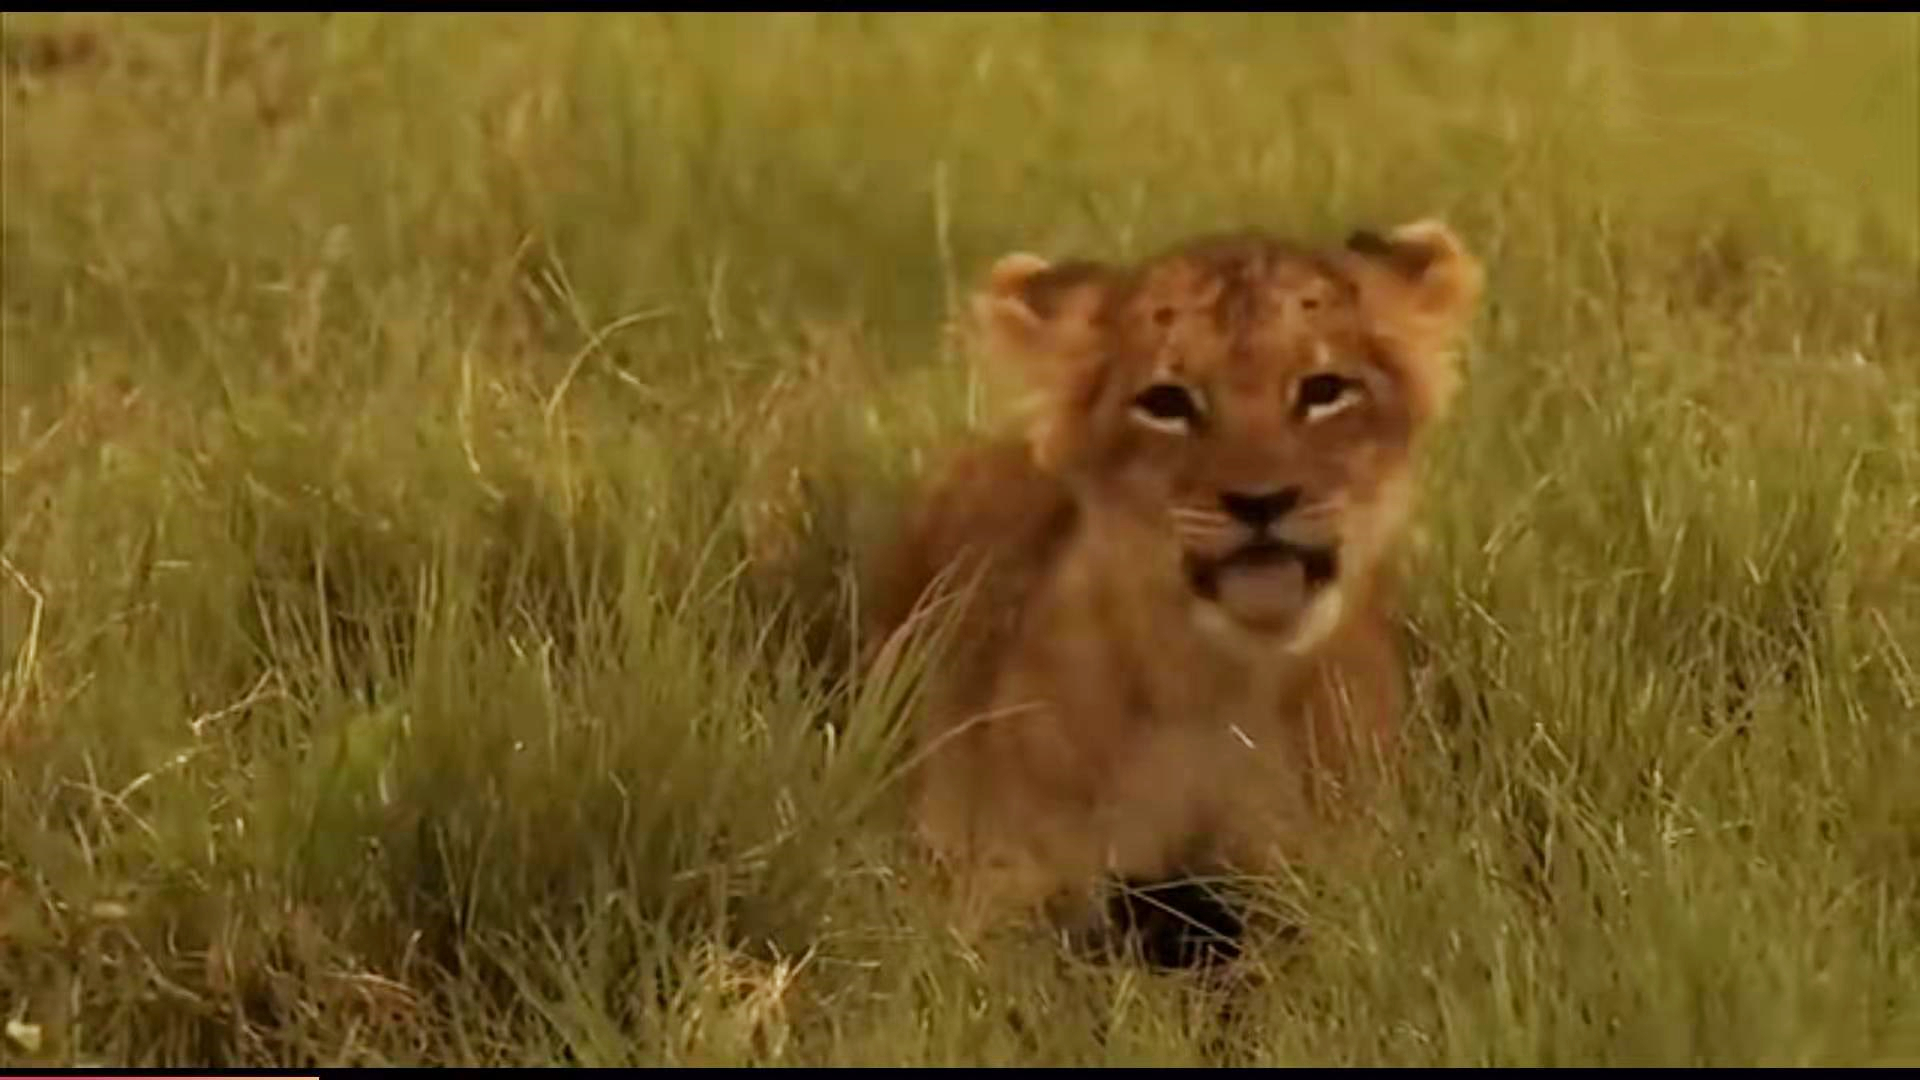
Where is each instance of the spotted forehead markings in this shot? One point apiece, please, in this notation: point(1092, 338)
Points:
point(1238, 352)
point(1243, 284)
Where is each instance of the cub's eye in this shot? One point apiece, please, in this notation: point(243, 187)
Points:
point(1165, 404)
point(1323, 393)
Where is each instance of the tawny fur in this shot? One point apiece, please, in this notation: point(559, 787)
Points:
point(1127, 693)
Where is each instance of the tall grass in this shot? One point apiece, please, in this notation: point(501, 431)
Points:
point(438, 451)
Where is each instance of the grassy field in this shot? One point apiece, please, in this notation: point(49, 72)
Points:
point(436, 450)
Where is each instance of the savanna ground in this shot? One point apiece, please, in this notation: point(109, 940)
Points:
point(436, 451)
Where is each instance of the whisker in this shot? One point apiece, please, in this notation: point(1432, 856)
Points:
point(1208, 516)
point(1210, 538)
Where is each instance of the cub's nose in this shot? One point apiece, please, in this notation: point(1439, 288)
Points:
point(1258, 511)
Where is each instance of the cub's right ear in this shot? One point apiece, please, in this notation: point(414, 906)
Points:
point(1002, 308)
point(1039, 316)
point(1042, 320)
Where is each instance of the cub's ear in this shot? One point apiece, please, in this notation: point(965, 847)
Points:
point(1421, 287)
point(1041, 322)
point(1039, 316)
point(1429, 269)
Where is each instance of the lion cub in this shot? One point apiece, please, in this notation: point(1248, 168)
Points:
point(1174, 644)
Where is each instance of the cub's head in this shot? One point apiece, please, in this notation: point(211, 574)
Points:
point(1240, 410)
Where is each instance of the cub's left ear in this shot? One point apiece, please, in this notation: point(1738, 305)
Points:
point(1426, 271)
point(1421, 286)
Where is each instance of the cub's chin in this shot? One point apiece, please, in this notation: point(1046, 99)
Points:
point(1268, 588)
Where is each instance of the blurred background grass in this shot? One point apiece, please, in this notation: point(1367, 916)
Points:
point(436, 451)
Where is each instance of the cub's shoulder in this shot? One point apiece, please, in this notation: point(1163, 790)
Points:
point(990, 507)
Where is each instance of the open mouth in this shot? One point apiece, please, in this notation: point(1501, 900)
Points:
point(1268, 582)
point(1317, 565)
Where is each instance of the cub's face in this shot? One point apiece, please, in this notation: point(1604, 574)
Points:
point(1241, 410)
